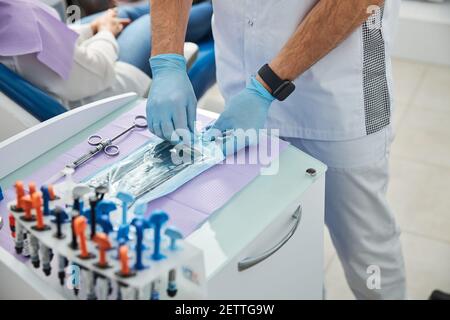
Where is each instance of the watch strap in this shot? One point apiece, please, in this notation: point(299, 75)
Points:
point(270, 78)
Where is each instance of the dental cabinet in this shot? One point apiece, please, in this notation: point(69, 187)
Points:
point(265, 243)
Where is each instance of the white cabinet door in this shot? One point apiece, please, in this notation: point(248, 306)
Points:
point(295, 271)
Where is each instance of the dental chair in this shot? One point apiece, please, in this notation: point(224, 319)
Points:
point(22, 105)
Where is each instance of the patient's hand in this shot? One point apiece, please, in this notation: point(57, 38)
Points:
point(109, 22)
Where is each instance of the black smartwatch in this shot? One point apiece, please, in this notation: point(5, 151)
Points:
point(281, 89)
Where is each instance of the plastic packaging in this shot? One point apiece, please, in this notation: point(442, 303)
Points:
point(157, 168)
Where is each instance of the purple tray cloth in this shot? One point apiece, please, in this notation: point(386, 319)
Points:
point(188, 207)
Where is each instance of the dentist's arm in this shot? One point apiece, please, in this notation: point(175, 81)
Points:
point(169, 23)
point(171, 103)
point(324, 28)
point(328, 24)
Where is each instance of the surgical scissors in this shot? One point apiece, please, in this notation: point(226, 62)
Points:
point(100, 144)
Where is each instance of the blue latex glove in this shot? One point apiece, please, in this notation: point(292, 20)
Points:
point(246, 110)
point(171, 103)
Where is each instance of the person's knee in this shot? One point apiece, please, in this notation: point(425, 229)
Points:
point(125, 12)
point(199, 24)
point(132, 12)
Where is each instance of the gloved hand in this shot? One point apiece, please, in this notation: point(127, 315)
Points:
point(171, 103)
point(246, 110)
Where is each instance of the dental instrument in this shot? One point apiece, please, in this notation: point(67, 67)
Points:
point(105, 145)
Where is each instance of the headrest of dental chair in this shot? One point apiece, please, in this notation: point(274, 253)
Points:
point(33, 100)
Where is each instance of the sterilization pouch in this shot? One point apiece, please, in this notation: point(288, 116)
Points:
point(157, 168)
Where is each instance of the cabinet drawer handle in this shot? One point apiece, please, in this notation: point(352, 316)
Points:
point(251, 261)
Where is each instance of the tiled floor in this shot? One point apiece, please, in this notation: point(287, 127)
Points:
point(419, 191)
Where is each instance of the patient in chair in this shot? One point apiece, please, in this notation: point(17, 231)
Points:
point(105, 55)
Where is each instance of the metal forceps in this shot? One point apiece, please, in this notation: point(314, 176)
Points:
point(100, 144)
point(107, 145)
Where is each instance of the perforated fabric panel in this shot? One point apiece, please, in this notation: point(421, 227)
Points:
point(376, 92)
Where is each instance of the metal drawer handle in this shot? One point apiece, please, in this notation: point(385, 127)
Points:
point(251, 261)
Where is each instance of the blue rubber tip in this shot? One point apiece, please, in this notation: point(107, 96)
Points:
point(122, 233)
point(156, 220)
point(126, 198)
point(156, 256)
point(46, 198)
point(104, 207)
point(140, 209)
point(174, 234)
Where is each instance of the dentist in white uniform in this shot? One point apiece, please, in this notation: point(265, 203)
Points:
point(318, 71)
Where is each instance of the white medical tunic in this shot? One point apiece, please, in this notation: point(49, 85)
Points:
point(346, 95)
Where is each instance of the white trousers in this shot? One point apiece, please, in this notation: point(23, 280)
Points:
point(361, 223)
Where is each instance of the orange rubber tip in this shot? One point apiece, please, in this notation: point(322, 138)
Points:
point(26, 205)
point(79, 226)
point(104, 244)
point(123, 256)
point(36, 202)
point(20, 192)
point(31, 187)
point(51, 192)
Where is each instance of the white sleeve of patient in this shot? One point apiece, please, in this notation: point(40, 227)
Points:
point(84, 30)
point(93, 68)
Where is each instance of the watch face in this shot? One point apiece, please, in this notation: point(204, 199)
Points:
point(284, 91)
